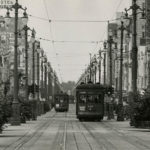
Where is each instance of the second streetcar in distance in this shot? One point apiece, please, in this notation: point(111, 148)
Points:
point(61, 102)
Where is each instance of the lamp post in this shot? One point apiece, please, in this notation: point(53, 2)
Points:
point(104, 68)
point(94, 64)
point(15, 105)
point(33, 62)
point(110, 42)
point(34, 102)
point(38, 78)
point(42, 81)
point(45, 77)
point(134, 9)
point(148, 87)
point(120, 116)
point(26, 28)
point(104, 65)
point(90, 67)
point(49, 85)
point(95, 73)
point(99, 66)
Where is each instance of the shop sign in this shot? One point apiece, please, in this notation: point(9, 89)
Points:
point(6, 3)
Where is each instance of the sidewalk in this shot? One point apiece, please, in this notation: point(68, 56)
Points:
point(14, 134)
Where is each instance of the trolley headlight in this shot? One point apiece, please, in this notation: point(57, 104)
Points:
point(57, 105)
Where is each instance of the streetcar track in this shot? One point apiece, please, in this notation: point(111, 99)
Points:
point(102, 145)
point(75, 138)
point(27, 137)
point(60, 138)
point(65, 132)
point(121, 135)
point(127, 138)
point(85, 137)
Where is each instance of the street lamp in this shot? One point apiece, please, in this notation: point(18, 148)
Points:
point(34, 100)
point(120, 116)
point(42, 80)
point(15, 105)
point(90, 67)
point(94, 63)
point(110, 43)
point(134, 9)
point(99, 66)
point(39, 50)
point(26, 29)
point(49, 85)
point(45, 76)
point(104, 62)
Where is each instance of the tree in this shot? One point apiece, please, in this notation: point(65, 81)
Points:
point(67, 86)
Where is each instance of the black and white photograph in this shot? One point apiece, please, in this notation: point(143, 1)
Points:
point(74, 74)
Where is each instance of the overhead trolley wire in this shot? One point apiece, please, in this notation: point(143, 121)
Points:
point(80, 21)
point(52, 39)
point(120, 2)
point(63, 41)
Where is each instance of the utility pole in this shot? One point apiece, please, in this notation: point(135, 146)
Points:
point(15, 120)
point(104, 68)
point(120, 116)
point(38, 79)
point(34, 103)
point(26, 28)
point(90, 67)
point(45, 78)
point(95, 74)
point(99, 66)
point(26, 63)
point(110, 41)
point(42, 81)
point(134, 9)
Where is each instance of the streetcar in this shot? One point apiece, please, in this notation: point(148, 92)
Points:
point(90, 101)
point(61, 102)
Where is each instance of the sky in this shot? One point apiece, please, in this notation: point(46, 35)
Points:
point(69, 59)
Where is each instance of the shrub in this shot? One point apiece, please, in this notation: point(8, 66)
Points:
point(141, 109)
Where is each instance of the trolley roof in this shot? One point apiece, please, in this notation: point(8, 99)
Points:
point(91, 86)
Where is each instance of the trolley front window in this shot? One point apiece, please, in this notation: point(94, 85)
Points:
point(90, 98)
point(93, 98)
point(82, 98)
point(60, 99)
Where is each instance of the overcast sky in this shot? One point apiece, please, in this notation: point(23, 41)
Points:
point(70, 59)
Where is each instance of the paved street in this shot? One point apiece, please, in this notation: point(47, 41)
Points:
point(62, 131)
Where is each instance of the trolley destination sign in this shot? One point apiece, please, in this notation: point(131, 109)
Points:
point(6, 3)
